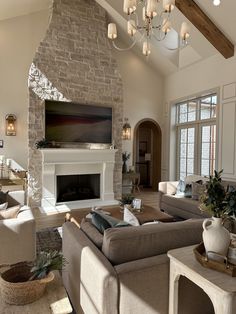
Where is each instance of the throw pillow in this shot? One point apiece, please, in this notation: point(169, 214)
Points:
point(180, 188)
point(197, 189)
point(188, 191)
point(3, 206)
point(3, 197)
point(130, 217)
point(103, 222)
point(9, 213)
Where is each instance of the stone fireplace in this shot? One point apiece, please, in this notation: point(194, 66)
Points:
point(74, 62)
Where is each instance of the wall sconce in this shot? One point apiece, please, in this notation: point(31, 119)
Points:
point(10, 125)
point(126, 131)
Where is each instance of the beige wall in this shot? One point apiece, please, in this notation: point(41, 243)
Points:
point(143, 92)
point(19, 38)
point(212, 74)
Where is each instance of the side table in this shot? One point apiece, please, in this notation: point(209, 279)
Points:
point(220, 287)
point(54, 301)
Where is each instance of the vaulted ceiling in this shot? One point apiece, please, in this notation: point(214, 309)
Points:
point(162, 58)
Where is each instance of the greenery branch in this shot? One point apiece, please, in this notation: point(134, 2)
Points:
point(219, 201)
point(125, 156)
point(46, 262)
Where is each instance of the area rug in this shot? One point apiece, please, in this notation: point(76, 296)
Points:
point(48, 239)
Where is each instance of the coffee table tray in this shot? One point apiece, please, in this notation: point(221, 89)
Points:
point(224, 267)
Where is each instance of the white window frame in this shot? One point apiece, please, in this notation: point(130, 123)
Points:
point(197, 124)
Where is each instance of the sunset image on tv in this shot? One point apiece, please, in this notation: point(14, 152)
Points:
point(77, 123)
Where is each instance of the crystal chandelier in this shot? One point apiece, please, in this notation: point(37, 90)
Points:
point(154, 24)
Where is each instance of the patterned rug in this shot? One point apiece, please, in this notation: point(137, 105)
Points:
point(48, 239)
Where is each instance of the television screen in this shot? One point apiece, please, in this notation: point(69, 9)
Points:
point(68, 122)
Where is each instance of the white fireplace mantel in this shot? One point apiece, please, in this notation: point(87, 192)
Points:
point(64, 161)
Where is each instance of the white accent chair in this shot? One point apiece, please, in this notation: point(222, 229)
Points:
point(18, 235)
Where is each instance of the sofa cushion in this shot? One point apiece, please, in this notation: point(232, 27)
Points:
point(9, 213)
point(186, 204)
point(197, 190)
point(92, 233)
point(132, 243)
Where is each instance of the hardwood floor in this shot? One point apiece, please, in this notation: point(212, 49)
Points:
point(149, 197)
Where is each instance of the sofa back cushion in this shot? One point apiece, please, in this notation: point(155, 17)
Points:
point(133, 243)
point(92, 233)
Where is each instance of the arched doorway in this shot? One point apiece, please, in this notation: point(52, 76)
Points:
point(147, 152)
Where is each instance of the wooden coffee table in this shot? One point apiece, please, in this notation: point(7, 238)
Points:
point(148, 214)
point(54, 301)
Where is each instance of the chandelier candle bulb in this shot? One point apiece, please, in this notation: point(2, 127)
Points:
point(151, 8)
point(131, 27)
point(184, 32)
point(168, 5)
point(144, 14)
point(129, 6)
point(146, 48)
point(112, 31)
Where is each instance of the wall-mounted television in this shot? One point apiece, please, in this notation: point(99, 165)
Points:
point(75, 123)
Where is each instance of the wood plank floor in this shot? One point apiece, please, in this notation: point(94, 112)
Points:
point(49, 220)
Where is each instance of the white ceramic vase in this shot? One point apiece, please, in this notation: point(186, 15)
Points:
point(215, 237)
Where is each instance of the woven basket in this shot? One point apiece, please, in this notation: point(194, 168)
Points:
point(15, 289)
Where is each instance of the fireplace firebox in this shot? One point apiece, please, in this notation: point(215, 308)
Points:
point(78, 187)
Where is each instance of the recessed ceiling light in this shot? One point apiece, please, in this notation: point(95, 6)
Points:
point(216, 2)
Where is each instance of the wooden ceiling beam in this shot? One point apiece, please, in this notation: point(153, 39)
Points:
point(204, 24)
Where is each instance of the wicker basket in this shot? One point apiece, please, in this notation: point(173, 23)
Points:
point(15, 289)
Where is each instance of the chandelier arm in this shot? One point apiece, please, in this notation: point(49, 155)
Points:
point(130, 47)
point(167, 19)
point(160, 38)
point(136, 21)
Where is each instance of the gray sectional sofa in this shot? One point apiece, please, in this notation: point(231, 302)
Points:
point(126, 270)
point(176, 205)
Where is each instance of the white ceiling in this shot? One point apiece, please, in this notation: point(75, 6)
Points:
point(164, 60)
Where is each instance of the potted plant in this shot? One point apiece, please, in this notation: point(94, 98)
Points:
point(24, 282)
point(126, 199)
point(125, 157)
point(43, 144)
point(220, 203)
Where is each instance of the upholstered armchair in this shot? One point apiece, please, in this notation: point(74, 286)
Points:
point(17, 235)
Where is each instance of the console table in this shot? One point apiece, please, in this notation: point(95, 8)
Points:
point(220, 288)
point(131, 181)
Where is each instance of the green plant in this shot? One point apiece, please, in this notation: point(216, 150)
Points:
point(125, 156)
point(43, 144)
point(46, 262)
point(126, 199)
point(219, 201)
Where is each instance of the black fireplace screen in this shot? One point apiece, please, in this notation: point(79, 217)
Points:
point(78, 187)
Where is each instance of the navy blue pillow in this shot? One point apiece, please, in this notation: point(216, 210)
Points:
point(3, 197)
point(103, 222)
